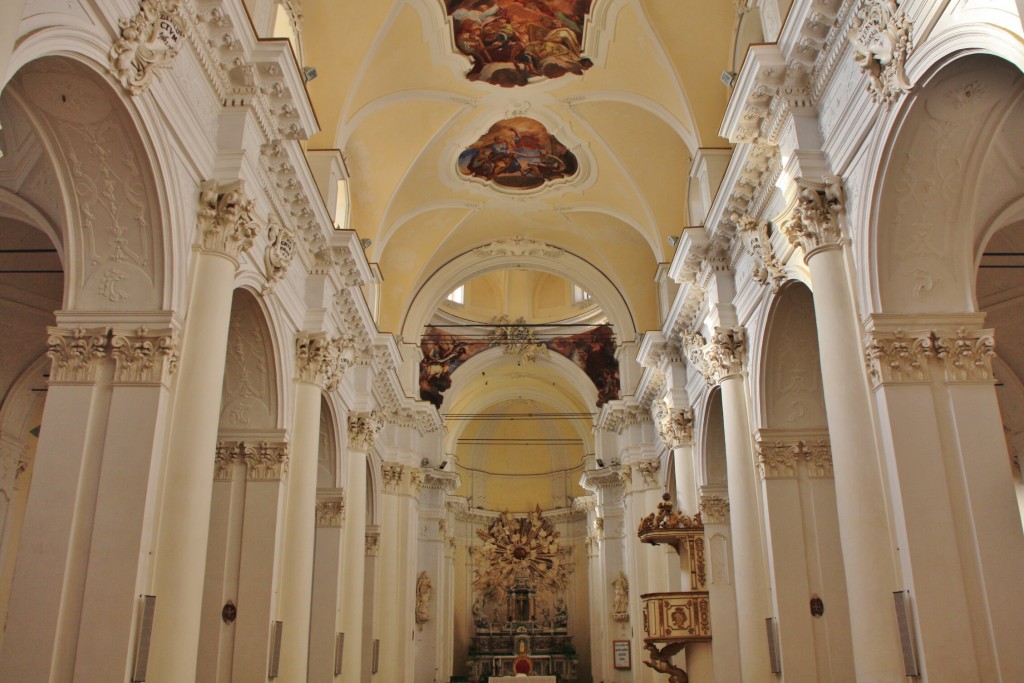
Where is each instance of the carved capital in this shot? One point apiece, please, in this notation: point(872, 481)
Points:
point(75, 353)
point(149, 41)
point(226, 223)
point(880, 34)
point(723, 356)
point(391, 476)
point(373, 543)
point(416, 480)
point(265, 461)
point(144, 357)
point(322, 361)
point(714, 510)
point(227, 455)
point(330, 510)
point(363, 430)
point(814, 224)
point(818, 457)
point(896, 357)
point(776, 460)
point(967, 355)
point(675, 427)
point(648, 470)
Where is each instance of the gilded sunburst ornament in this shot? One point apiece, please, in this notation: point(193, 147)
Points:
point(518, 549)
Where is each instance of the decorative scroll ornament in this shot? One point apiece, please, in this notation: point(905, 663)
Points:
point(814, 224)
point(75, 353)
point(525, 549)
point(675, 427)
point(363, 429)
point(322, 361)
point(896, 357)
point(516, 338)
point(714, 510)
point(880, 35)
point(144, 357)
point(424, 594)
point(265, 461)
point(226, 222)
point(767, 270)
point(149, 41)
point(279, 254)
point(620, 597)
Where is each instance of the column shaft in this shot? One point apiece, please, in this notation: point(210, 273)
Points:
point(188, 473)
point(751, 582)
point(354, 566)
point(299, 533)
point(860, 497)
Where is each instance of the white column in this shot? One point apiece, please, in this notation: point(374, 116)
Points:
point(226, 230)
point(327, 572)
point(266, 464)
point(435, 554)
point(961, 546)
point(860, 496)
point(725, 640)
point(722, 363)
point(363, 429)
point(319, 364)
point(396, 602)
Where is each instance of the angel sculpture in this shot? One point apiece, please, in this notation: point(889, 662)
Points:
point(661, 661)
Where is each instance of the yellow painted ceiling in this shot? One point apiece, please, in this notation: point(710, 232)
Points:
point(393, 97)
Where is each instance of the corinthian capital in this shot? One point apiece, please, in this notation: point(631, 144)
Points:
point(363, 429)
point(720, 358)
point(814, 224)
point(144, 357)
point(675, 427)
point(226, 223)
point(75, 353)
point(320, 360)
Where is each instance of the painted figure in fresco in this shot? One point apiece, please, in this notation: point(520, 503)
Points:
point(512, 42)
point(435, 368)
point(519, 153)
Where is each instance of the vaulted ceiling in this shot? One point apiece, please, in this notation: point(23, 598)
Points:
point(393, 95)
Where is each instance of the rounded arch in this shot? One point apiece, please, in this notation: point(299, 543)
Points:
point(711, 456)
point(961, 122)
point(114, 243)
point(251, 398)
point(518, 254)
point(789, 386)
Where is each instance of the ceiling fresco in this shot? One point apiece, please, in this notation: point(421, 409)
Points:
point(516, 42)
point(518, 153)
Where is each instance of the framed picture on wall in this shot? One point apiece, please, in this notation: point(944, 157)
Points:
point(620, 654)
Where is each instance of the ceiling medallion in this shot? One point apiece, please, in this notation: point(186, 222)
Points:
point(515, 42)
point(523, 550)
point(518, 153)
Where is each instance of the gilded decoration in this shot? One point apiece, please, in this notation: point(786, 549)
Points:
point(517, 154)
point(667, 519)
point(516, 42)
point(519, 549)
point(661, 661)
point(880, 35)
